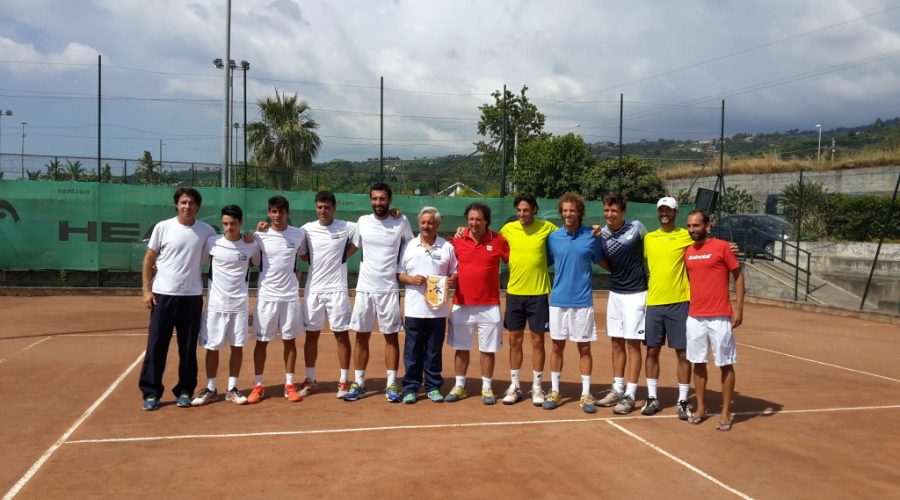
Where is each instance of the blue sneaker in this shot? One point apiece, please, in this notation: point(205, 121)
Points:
point(356, 391)
point(151, 403)
point(393, 394)
point(183, 400)
point(487, 397)
point(588, 403)
point(435, 396)
point(410, 398)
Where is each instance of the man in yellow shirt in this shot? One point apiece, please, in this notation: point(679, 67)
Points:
point(527, 293)
point(668, 298)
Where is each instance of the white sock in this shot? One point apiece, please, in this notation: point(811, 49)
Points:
point(485, 383)
point(360, 377)
point(619, 384)
point(683, 391)
point(232, 383)
point(554, 381)
point(344, 373)
point(391, 377)
point(514, 377)
point(460, 381)
point(538, 376)
point(211, 384)
point(585, 384)
point(651, 387)
point(288, 378)
point(257, 380)
point(631, 389)
point(311, 372)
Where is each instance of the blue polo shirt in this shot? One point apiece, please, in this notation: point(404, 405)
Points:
point(572, 254)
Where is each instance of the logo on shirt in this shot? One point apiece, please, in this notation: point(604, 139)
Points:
point(242, 256)
point(705, 256)
point(337, 236)
point(289, 244)
point(489, 248)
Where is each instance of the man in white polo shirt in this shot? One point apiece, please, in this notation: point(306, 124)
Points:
point(225, 318)
point(278, 304)
point(428, 269)
point(330, 242)
point(377, 292)
point(174, 296)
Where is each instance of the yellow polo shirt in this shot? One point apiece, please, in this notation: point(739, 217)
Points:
point(668, 282)
point(528, 257)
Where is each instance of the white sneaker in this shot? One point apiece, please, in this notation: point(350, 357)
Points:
point(205, 397)
point(537, 396)
point(235, 396)
point(512, 396)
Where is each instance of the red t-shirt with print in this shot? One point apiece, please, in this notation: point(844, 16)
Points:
point(708, 266)
point(478, 282)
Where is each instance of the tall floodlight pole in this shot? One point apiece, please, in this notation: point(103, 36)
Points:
point(245, 66)
point(99, 118)
point(504, 145)
point(819, 147)
point(226, 130)
point(381, 142)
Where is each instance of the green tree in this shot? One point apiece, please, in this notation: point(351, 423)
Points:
point(550, 166)
point(106, 175)
point(147, 170)
point(633, 177)
point(73, 170)
point(810, 201)
point(684, 196)
point(54, 170)
point(738, 201)
point(284, 141)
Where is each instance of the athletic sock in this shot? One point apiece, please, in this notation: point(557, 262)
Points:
point(311, 372)
point(538, 376)
point(288, 379)
point(211, 384)
point(360, 377)
point(585, 384)
point(344, 373)
point(391, 377)
point(460, 381)
point(683, 391)
point(554, 381)
point(631, 389)
point(486, 383)
point(651, 387)
point(257, 379)
point(514, 377)
point(619, 384)
point(232, 383)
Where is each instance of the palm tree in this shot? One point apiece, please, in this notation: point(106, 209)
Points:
point(284, 140)
point(74, 170)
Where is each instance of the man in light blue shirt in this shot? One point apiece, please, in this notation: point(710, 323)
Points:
point(572, 249)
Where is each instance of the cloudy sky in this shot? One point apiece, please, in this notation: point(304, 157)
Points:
point(778, 64)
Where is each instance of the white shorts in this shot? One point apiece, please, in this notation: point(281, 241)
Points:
point(465, 320)
point(272, 317)
point(335, 304)
point(369, 305)
point(715, 330)
point(217, 327)
point(573, 323)
point(625, 315)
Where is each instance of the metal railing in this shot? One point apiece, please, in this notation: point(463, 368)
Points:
point(749, 236)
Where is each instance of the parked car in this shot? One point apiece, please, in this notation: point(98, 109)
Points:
point(755, 234)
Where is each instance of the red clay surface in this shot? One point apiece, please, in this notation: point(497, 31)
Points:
point(824, 426)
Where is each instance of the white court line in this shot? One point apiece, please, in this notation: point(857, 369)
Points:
point(679, 461)
point(62, 439)
point(819, 362)
point(449, 426)
point(27, 347)
point(105, 335)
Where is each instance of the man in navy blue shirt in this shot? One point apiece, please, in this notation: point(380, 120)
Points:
point(623, 251)
point(572, 249)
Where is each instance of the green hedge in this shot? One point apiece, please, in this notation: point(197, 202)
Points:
point(861, 217)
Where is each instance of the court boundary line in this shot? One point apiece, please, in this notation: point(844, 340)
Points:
point(680, 461)
point(29, 346)
point(463, 425)
point(823, 363)
point(65, 436)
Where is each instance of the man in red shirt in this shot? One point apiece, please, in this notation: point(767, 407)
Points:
point(476, 304)
point(711, 318)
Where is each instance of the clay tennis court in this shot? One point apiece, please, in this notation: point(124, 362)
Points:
point(817, 407)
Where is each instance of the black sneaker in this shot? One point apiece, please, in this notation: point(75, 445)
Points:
point(651, 407)
point(684, 410)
